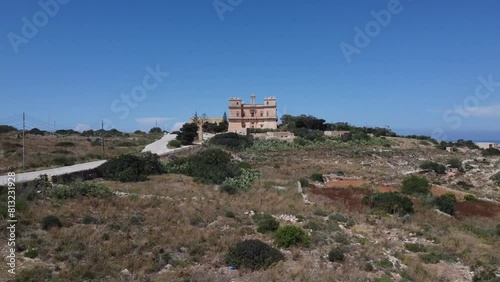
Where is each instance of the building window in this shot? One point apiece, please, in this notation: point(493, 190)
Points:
point(267, 114)
point(261, 125)
point(252, 113)
point(237, 114)
point(267, 103)
point(261, 114)
point(237, 103)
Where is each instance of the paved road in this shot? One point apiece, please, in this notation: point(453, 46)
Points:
point(27, 176)
point(159, 147)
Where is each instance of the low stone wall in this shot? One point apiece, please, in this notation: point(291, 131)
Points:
point(274, 135)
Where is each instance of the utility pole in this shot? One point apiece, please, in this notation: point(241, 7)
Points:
point(24, 128)
point(102, 138)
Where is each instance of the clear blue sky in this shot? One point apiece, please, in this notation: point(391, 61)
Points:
point(424, 62)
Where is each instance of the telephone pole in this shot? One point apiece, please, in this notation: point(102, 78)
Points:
point(24, 128)
point(102, 138)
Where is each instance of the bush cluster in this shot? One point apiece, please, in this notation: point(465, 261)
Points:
point(415, 185)
point(131, 168)
point(240, 183)
point(391, 202)
point(317, 177)
point(174, 143)
point(290, 235)
point(209, 166)
point(490, 152)
point(79, 188)
point(50, 221)
point(253, 254)
point(446, 203)
point(266, 223)
point(337, 254)
point(232, 141)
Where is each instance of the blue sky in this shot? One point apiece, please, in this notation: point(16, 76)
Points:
point(418, 74)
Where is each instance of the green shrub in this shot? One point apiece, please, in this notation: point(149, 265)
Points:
point(469, 198)
point(304, 182)
point(131, 168)
point(315, 225)
point(415, 185)
point(88, 219)
point(229, 214)
point(446, 203)
point(174, 143)
point(232, 141)
point(432, 257)
point(241, 182)
point(415, 247)
point(136, 218)
point(454, 163)
point(391, 202)
point(31, 253)
point(339, 217)
point(209, 166)
point(320, 212)
point(266, 223)
point(430, 165)
point(288, 236)
point(65, 144)
point(79, 188)
point(50, 221)
point(384, 263)
point(341, 239)
point(63, 161)
point(317, 177)
point(229, 188)
point(497, 229)
point(337, 254)
point(490, 152)
point(253, 254)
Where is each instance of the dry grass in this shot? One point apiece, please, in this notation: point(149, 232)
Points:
point(40, 151)
point(174, 214)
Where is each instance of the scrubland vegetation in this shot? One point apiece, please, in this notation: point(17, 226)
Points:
point(363, 208)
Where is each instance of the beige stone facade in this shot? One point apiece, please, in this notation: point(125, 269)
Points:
point(252, 115)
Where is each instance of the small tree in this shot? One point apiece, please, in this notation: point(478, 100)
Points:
point(155, 130)
point(415, 185)
point(187, 133)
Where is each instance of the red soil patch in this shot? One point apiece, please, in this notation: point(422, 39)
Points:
point(350, 198)
point(346, 183)
point(477, 208)
point(385, 189)
point(440, 190)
